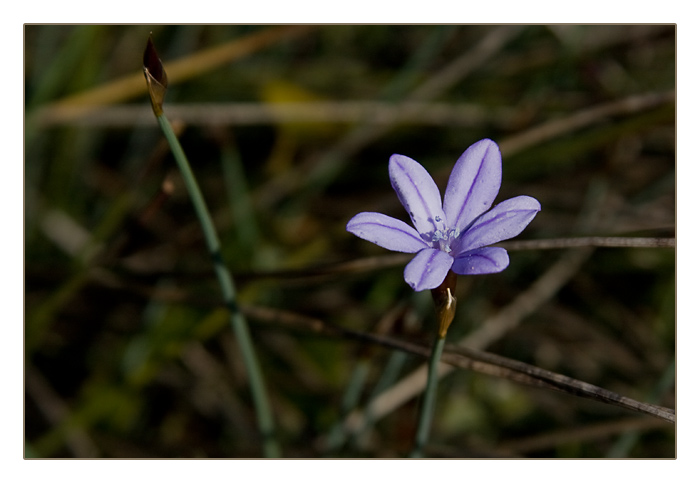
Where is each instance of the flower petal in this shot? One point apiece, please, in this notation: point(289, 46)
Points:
point(418, 194)
point(481, 261)
point(427, 269)
point(504, 221)
point(473, 184)
point(387, 232)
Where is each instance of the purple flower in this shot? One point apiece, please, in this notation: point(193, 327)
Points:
point(454, 234)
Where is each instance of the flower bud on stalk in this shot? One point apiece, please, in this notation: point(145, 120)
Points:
point(156, 78)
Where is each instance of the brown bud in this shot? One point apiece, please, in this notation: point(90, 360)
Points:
point(156, 78)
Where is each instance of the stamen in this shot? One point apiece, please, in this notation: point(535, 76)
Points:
point(439, 235)
point(445, 238)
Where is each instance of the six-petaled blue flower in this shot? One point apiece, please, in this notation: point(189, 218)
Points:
point(454, 234)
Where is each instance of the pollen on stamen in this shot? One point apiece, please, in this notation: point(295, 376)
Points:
point(444, 239)
point(439, 235)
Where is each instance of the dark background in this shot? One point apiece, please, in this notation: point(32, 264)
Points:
point(128, 352)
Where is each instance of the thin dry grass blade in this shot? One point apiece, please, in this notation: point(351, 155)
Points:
point(132, 86)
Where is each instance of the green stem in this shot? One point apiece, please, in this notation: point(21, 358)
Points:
point(428, 407)
point(390, 375)
point(238, 322)
point(353, 392)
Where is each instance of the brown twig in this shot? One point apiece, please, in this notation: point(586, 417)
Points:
point(577, 434)
point(249, 113)
point(557, 127)
point(465, 358)
point(379, 262)
point(590, 241)
point(535, 376)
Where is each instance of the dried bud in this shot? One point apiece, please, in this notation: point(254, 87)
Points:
point(156, 77)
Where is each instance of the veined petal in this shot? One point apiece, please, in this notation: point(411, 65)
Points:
point(473, 184)
point(418, 194)
point(387, 232)
point(504, 221)
point(427, 269)
point(481, 261)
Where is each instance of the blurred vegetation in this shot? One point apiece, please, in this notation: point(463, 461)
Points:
point(128, 352)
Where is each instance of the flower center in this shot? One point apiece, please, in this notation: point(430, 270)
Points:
point(444, 238)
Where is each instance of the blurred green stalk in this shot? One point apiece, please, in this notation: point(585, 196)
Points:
point(428, 406)
point(157, 81)
point(238, 322)
point(337, 435)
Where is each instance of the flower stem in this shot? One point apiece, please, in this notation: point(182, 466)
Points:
point(238, 322)
point(428, 407)
point(445, 307)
